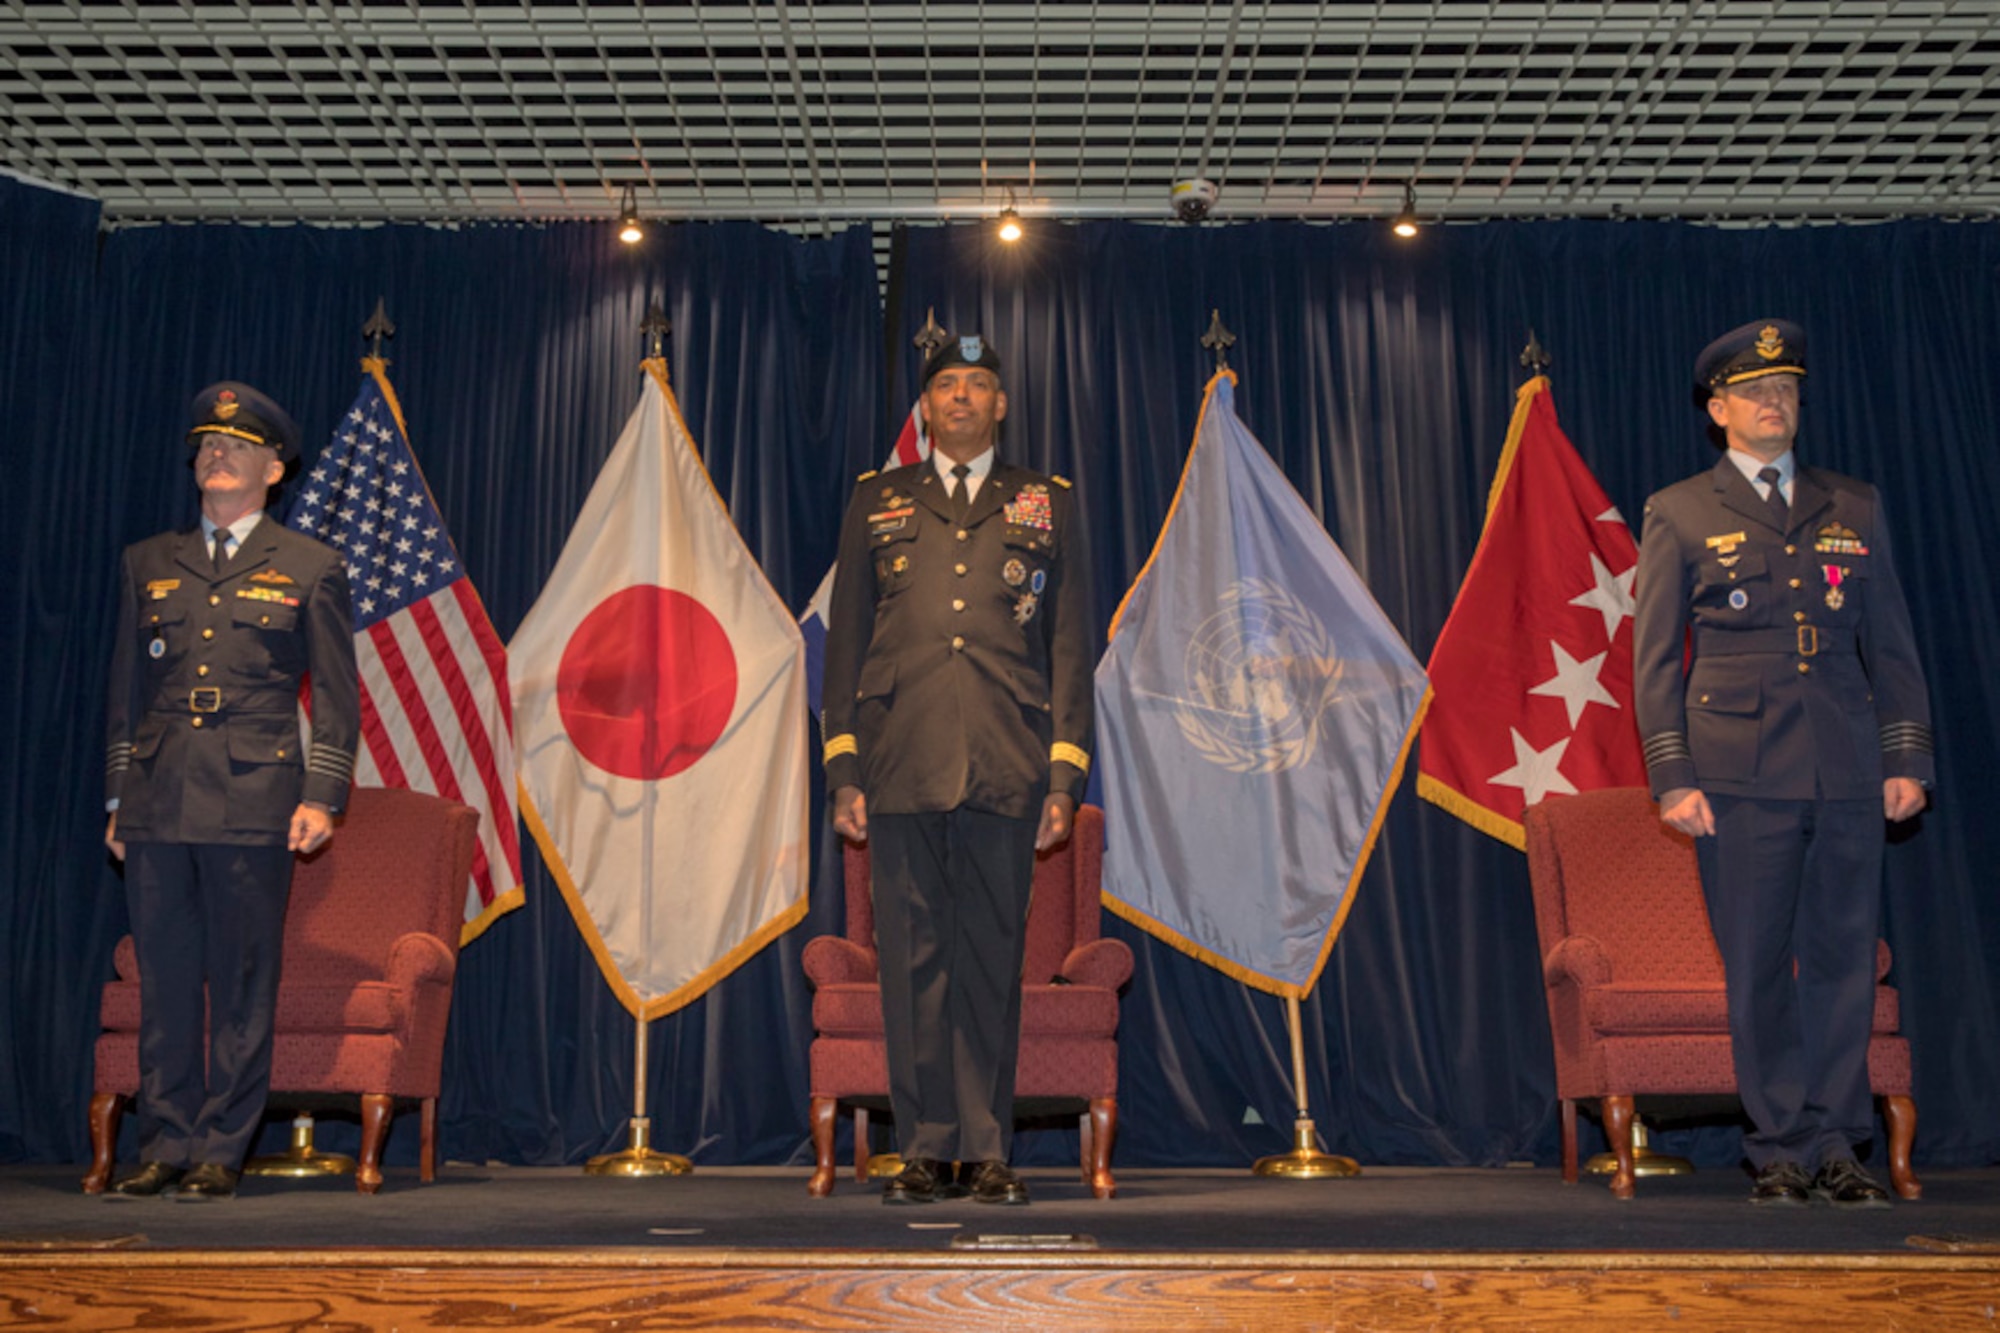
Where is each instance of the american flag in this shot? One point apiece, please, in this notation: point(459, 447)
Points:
point(436, 713)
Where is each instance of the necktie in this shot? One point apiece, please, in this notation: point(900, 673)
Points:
point(961, 498)
point(221, 556)
point(1781, 513)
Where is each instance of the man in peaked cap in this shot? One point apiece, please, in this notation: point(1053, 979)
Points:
point(211, 794)
point(957, 723)
point(1800, 722)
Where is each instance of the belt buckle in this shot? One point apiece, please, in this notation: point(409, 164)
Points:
point(1808, 640)
point(205, 699)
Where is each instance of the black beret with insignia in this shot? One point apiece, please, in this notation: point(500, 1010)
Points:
point(237, 410)
point(1761, 347)
point(971, 350)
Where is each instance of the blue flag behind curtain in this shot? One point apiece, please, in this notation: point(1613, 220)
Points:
point(1253, 713)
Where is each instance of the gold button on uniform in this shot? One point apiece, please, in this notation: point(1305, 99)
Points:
point(1791, 550)
point(1795, 583)
point(214, 600)
point(958, 643)
point(208, 634)
point(958, 603)
point(197, 721)
point(963, 534)
point(1799, 616)
point(1804, 667)
point(958, 570)
point(201, 670)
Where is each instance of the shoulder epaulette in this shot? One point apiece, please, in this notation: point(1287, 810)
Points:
point(1063, 482)
point(866, 475)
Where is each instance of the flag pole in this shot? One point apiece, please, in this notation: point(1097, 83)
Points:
point(639, 1159)
point(1305, 1161)
point(302, 1160)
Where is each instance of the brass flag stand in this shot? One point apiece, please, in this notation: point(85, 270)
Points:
point(639, 1160)
point(1305, 1161)
point(301, 1161)
point(1645, 1162)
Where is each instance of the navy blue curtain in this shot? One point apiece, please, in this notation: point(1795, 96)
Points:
point(1379, 376)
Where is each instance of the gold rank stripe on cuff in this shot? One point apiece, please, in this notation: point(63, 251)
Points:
point(838, 746)
point(1665, 747)
point(1062, 752)
point(1907, 736)
point(117, 758)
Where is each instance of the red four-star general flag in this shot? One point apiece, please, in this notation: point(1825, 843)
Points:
point(660, 696)
point(1532, 676)
point(434, 699)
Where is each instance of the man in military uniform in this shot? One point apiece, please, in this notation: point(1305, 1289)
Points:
point(957, 721)
point(1801, 720)
point(210, 791)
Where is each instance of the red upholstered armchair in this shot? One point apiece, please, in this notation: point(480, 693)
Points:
point(371, 947)
point(1634, 980)
point(1069, 1047)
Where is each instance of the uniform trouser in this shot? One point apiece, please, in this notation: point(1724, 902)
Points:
point(951, 910)
point(1786, 882)
point(215, 915)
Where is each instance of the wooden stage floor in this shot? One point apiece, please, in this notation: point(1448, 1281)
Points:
point(1396, 1248)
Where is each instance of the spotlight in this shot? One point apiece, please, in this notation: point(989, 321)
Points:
point(1009, 228)
point(1405, 224)
point(629, 229)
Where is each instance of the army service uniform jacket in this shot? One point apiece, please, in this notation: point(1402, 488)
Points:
point(1802, 676)
point(203, 723)
point(958, 656)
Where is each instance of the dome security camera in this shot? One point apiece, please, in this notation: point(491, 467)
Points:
point(1192, 199)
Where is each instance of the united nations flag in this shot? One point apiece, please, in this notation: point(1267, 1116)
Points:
point(1253, 713)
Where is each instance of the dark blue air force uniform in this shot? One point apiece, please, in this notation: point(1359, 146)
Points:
point(206, 766)
point(1801, 694)
point(957, 697)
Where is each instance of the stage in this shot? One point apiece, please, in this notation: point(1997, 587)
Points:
point(501, 1247)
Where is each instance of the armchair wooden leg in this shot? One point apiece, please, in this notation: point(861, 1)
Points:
point(427, 1160)
point(106, 1110)
point(1103, 1129)
point(1569, 1140)
point(1618, 1129)
point(823, 1112)
point(376, 1110)
point(1083, 1136)
point(1901, 1113)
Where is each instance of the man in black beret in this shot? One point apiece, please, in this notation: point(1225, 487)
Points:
point(1800, 721)
point(210, 791)
point(957, 723)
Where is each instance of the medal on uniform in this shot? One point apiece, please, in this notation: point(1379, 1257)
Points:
point(1015, 573)
point(1738, 599)
point(1024, 610)
point(157, 648)
point(1835, 576)
point(899, 564)
point(1039, 582)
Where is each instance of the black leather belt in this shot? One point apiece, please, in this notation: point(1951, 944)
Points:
point(217, 699)
point(1800, 640)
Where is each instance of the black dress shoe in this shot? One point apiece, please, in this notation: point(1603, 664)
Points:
point(1845, 1185)
point(210, 1180)
point(150, 1180)
point(1781, 1184)
point(994, 1182)
point(918, 1182)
